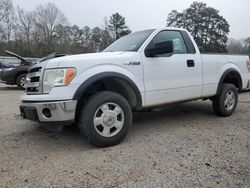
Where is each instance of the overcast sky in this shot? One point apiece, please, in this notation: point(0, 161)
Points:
point(143, 14)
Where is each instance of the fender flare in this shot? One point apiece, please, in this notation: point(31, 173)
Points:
point(228, 71)
point(84, 86)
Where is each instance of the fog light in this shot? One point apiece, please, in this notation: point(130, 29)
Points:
point(47, 113)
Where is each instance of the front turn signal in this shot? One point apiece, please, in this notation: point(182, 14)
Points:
point(69, 75)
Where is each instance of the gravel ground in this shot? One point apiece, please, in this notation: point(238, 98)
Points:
point(183, 145)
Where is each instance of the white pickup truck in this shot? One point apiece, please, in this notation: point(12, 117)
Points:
point(149, 68)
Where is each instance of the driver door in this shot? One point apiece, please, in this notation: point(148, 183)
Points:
point(172, 77)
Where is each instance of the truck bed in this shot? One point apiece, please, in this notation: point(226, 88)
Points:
point(220, 63)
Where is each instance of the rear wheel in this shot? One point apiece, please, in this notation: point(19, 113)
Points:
point(225, 103)
point(105, 119)
point(20, 81)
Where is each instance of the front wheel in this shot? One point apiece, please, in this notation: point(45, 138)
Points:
point(225, 103)
point(105, 119)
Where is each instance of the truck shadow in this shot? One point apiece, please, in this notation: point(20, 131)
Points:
point(172, 117)
point(244, 91)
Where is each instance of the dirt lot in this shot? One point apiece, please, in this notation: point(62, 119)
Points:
point(182, 145)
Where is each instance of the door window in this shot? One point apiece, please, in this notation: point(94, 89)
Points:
point(175, 36)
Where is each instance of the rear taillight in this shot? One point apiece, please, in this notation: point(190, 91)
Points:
point(248, 65)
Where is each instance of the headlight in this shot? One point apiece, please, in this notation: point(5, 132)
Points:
point(57, 77)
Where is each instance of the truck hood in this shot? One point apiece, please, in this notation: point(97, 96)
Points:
point(96, 58)
point(90, 56)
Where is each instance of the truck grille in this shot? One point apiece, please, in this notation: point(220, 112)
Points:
point(34, 81)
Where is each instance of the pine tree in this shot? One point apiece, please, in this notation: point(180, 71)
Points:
point(117, 26)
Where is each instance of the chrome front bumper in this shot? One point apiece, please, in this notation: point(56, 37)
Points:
point(58, 111)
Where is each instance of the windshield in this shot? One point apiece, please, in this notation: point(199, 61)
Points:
point(131, 42)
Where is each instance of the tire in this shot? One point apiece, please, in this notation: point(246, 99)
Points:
point(20, 81)
point(105, 119)
point(225, 103)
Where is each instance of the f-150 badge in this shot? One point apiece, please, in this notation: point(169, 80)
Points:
point(133, 63)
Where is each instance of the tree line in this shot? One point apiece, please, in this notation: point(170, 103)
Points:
point(239, 46)
point(46, 29)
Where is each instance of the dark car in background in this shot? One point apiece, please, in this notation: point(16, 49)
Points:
point(16, 75)
point(5, 66)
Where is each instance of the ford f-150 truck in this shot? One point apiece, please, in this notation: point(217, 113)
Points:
point(149, 68)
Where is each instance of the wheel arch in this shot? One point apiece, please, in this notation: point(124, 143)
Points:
point(125, 84)
point(230, 76)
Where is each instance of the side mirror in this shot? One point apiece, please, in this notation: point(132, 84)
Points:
point(160, 48)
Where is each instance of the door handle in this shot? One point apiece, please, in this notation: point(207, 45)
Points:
point(190, 63)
